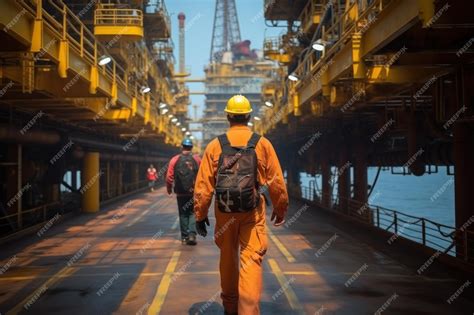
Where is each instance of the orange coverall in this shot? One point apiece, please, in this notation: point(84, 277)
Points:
point(241, 290)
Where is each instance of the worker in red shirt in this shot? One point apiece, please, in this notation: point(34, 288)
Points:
point(182, 171)
point(152, 176)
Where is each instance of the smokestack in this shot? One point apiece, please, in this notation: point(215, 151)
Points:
point(181, 19)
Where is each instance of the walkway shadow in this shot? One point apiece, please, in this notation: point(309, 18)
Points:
point(206, 308)
point(214, 308)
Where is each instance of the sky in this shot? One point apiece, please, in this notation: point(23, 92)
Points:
point(199, 22)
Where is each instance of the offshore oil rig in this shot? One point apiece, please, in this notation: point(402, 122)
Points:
point(90, 96)
point(234, 69)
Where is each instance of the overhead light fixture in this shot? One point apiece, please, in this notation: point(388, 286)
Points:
point(268, 104)
point(164, 111)
point(249, 124)
point(257, 118)
point(170, 116)
point(174, 120)
point(183, 129)
point(319, 45)
point(293, 77)
point(104, 60)
point(162, 105)
point(188, 133)
point(178, 124)
point(145, 89)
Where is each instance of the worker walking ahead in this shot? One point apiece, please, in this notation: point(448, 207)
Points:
point(181, 174)
point(235, 167)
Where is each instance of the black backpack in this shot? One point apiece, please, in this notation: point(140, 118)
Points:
point(185, 172)
point(236, 183)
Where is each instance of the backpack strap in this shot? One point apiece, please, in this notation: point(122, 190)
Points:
point(252, 143)
point(223, 140)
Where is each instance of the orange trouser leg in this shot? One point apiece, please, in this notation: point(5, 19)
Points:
point(253, 245)
point(227, 239)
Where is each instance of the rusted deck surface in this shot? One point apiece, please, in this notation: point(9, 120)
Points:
point(129, 260)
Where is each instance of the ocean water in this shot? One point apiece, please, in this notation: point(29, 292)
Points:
point(429, 196)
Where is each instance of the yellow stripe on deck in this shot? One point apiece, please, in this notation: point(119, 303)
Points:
point(162, 291)
point(285, 285)
point(280, 246)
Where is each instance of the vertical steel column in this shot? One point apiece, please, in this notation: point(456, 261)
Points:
point(293, 176)
point(107, 179)
point(120, 178)
point(135, 175)
point(19, 185)
point(464, 177)
point(90, 182)
point(360, 173)
point(344, 179)
point(326, 182)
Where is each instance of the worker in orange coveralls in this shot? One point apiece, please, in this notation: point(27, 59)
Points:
point(235, 167)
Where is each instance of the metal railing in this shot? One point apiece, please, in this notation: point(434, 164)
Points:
point(29, 217)
point(351, 20)
point(443, 238)
point(109, 15)
point(312, 7)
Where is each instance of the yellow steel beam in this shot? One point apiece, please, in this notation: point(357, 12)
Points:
point(395, 19)
point(118, 114)
point(400, 74)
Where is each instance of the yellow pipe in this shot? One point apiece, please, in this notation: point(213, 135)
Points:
point(90, 182)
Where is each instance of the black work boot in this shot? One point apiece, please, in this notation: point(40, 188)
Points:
point(192, 239)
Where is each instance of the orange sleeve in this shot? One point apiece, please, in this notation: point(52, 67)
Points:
point(275, 180)
point(204, 186)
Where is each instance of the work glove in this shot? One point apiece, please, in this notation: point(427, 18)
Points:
point(278, 220)
point(201, 227)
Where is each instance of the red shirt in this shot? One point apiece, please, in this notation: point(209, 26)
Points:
point(151, 174)
point(170, 172)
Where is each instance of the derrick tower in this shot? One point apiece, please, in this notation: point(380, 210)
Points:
point(226, 30)
point(234, 68)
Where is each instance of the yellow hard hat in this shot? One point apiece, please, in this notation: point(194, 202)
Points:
point(238, 104)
